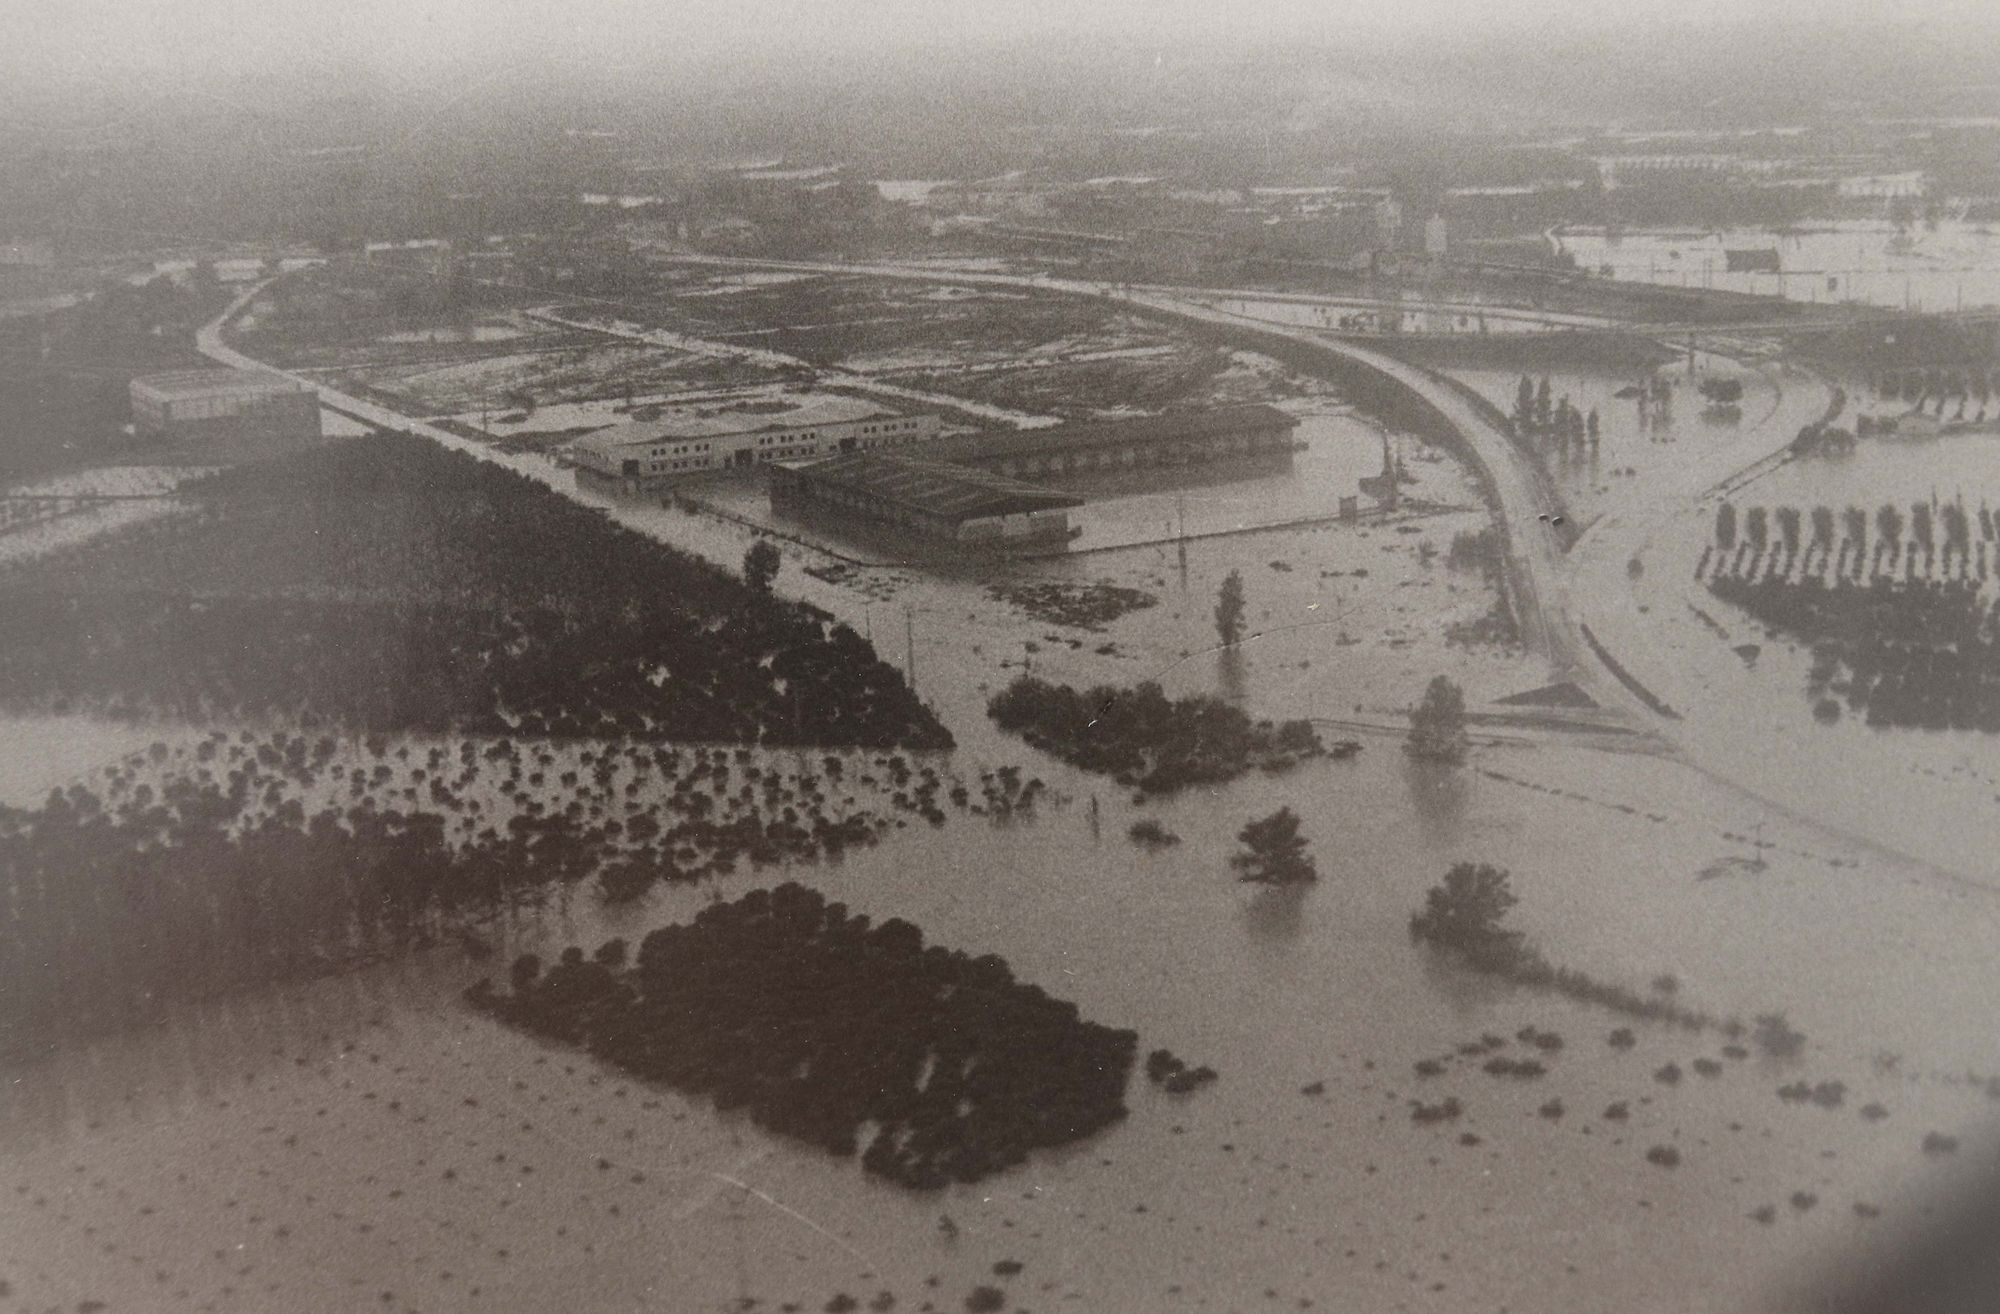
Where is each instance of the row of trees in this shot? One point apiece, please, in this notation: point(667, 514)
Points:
point(1917, 385)
point(1537, 416)
point(1818, 541)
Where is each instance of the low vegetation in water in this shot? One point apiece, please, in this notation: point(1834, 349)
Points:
point(1172, 1074)
point(934, 1065)
point(241, 861)
point(1463, 916)
point(1081, 606)
point(1143, 739)
point(1150, 834)
point(385, 583)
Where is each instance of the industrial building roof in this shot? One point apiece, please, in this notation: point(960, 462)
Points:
point(696, 422)
point(176, 385)
point(951, 491)
point(1172, 427)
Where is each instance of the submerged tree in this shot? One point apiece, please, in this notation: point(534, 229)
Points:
point(1889, 530)
point(1464, 913)
point(1274, 853)
point(1229, 609)
point(1854, 524)
point(760, 565)
point(1788, 529)
point(1437, 723)
point(1725, 526)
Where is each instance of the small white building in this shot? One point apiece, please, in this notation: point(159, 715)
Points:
point(744, 432)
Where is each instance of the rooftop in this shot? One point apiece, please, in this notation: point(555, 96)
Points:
point(1174, 426)
point(683, 423)
point(951, 491)
point(178, 384)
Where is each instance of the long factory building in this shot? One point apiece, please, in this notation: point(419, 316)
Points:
point(928, 498)
point(1175, 438)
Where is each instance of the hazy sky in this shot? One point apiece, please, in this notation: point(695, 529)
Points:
point(98, 39)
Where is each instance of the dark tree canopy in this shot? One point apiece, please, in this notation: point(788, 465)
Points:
point(935, 1065)
point(1141, 737)
point(760, 565)
point(1274, 853)
point(1437, 723)
point(1464, 912)
point(1229, 609)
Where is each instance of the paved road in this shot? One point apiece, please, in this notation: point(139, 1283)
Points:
point(208, 341)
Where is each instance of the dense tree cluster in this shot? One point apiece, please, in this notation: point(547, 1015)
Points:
point(240, 861)
point(1919, 646)
point(1556, 424)
point(389, 584)
point(936, 1066)
point(1144, 739)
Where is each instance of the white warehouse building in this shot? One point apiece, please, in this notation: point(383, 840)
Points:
point(692, 440)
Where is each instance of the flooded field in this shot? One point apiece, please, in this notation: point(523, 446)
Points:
point(62, 511)
point(1388, 1130)
point(367, 1141)
point(1647, 445)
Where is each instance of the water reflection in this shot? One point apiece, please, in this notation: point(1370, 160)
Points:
point(1469, 994)
point(1275, 915)
point(1229, 671)
point(1440, 795)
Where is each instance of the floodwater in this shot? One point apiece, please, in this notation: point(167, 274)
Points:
point(321, 1145)
point(1952, 266)
point(365, 1142)
point(1643, 449)
point(1930, 795)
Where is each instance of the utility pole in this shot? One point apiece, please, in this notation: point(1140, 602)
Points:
point(910, 644)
